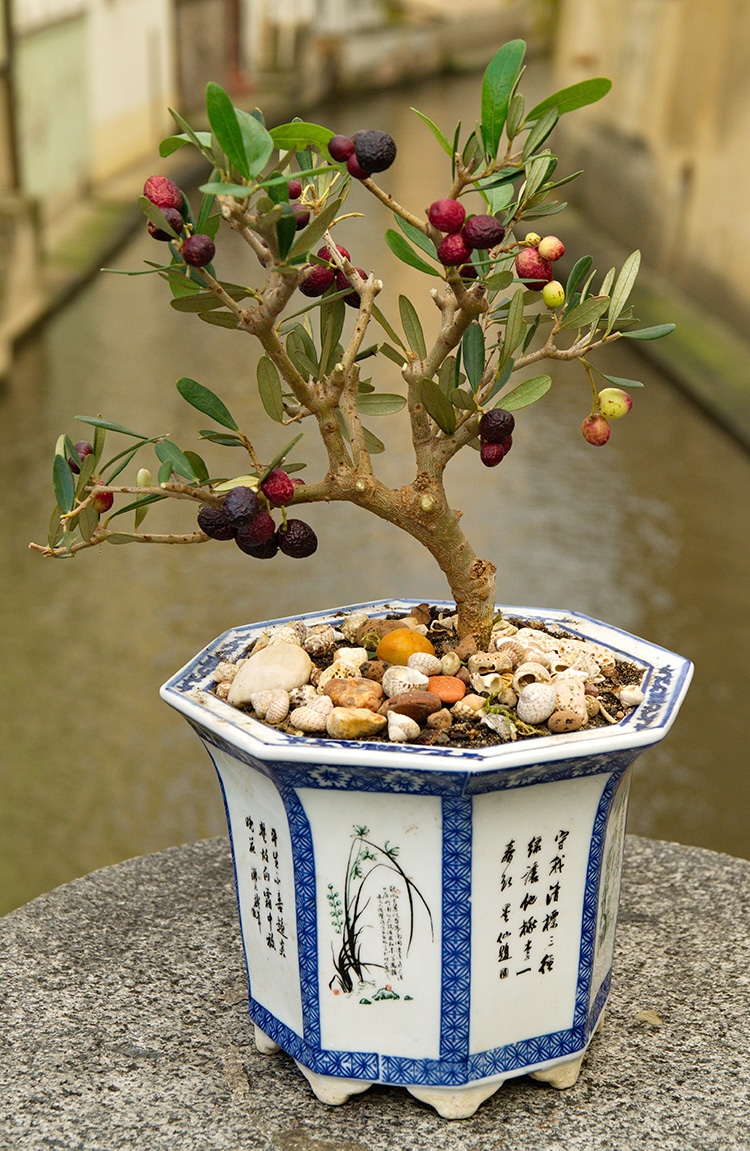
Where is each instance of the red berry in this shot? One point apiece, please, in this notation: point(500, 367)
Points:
point(483, 231)
point(82, 448)
point(550, 248)
point(175, 221)
point(214, 523)
point(496, 425)
point(535, 271)
point(259, 531)
point(375, 150)
point(240, 506)
point(277, 487)
point(297, 540)
point(163, 192)
point(294, 189)
point(318, 282)
point(355, 169)
point(198, 250)
point(324, 253)
point(491, 454)
point(446, 215)
point(343, 282)
point(103, 501)
point(301, 216)
point(596, 430)
point(452, 250)
point(340, 148)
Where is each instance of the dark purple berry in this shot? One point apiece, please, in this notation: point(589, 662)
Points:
point(277, 487)
point(482, 231)
point(198, 250)
point(240, 506)
point(496, 425)
point(340, 148)
point(375, 150)
point(294, 189)
point(491, 454)
point(175, 221)
point(324, 253)
point(343, 282)
point(318, 282)
point(163, 192)
point(215, 523)
point(355, 169)
point(262, 551)
point(83, 448)
point(257, 531)
point(301, 216)
point(297, 540)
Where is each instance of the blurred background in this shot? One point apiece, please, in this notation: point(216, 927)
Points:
point(651, 533)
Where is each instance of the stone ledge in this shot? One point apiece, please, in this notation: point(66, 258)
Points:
point(125, 1026)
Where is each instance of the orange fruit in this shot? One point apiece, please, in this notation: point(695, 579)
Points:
point(397, 645)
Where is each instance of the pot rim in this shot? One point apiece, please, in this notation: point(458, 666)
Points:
point(666, 679)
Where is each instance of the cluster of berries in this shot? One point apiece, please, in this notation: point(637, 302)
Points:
point(462, 234)
point(323, 277)
point(102, 501)
point(495, 436)
point(611, 404)
point(244, 517)
point(196, 248)
point(534, 266)
point(363, 153)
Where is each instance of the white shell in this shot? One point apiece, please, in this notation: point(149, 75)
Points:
point(402, 728)
point(484, 662)
point(425, 662)
point(500, 724)
point(309, 719)
point(274, 702)
point(530, 673)
point(351, 624)
point(493, 682)
point(469, 707)
point(354, 656)
point(289, 633)
point(225, 672)
point(398, 678)
point(302, 695)
point(450, 663)
point(631, 695)
point(536, 702)
point(515, 651)
point(501, 631)
point(319, 639)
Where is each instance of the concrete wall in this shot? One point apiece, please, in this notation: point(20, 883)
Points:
point(667, 153)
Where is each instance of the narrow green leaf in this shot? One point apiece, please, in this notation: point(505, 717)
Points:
point(536, 174)
point(63, 483)
point(207, 402)
point(531, 331)
point(606, 288)
point(279, 459)
point(286, 230)
point(269, 389)
point(380, 403)
point(620, 381)
point(85, 474)
point(302, 352)
point(301, 135)
point(55, 529)
point(654, 333)
point(172, 143)
point(514, 327)
point(387, 328)
point(505, 371)
point(526, 393)
point(98, 422)
point(256, 141)
point(225, 126)
point(442, 140)
point(331, 326)
point(225, 188)
point(315, 229)
point(406, 253)
point(447, 375)
point(460, 398)
point(575, 96)
point(220, 319)
point(170, 454)
point(141, 508)
point(197, 139)
point(514, 119)
point(473, 354)
point(88, 521)
point(623, 287)
point(198, 464)
point(122, 538)
point(165, 472)
point(500, 78)
point(417, 237)
point(156, 217)
point(540, 131)
point(438, 406)
point(498, 281)
point(393, 354)
point(221, 438)
point(412, 326)
point(578, 273)
point(586, 313)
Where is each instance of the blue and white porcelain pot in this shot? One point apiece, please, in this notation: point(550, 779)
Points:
point(435, 918)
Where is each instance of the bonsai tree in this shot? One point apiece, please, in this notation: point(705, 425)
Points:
point(320, 319)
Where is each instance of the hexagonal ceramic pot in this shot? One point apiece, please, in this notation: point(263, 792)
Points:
point(439, 919)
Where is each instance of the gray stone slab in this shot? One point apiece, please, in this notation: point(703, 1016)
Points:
point(124, 1025)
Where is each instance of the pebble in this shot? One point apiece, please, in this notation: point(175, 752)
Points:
point(417, 704)
point(354, 723)
point(357, 692)
point(281, 665)
point(567, 720)
point(447, 688)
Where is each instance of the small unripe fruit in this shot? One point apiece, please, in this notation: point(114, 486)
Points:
point(83, 448)
point(340, 148)
point(550, 248)
point(596, 430)
point(175, 221)
point(553, 294)
point(318, 282)
point(103, 501)
point(531, 268)
point(532, 239)
point(297, 540)
point(491, 454)
point(277, 487)
point(446, 215)
point(496, 425)
point(198, 250)
point(375, 150)
point(163, 192)
point(240, 506)
point(483, 231)
point(214, 523)
point(355, 169)
point(294, 189)
point(453, 250)
point(614, 403)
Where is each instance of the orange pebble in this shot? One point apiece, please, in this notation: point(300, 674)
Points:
point(447, 688)
point(396, 646)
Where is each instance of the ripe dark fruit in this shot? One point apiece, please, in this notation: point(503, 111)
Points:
point(340, 148)
point(277, 487)
point(198, 250)
point(596, 430)
point(294, 189)
point(215, 523)
point(301, 217)
point(163, 192)
point(375, 150)
point(259, 531)
point(298, 540)
point(324, 253)
point(491, 454)
point(175, 221)
point(262, 551)
point(532, 269)
point(355, 169)
point(103, 501)
point(483, 231)
point(453, 250)
point(446, 215)
point(83, 448)
point(318, 282)
point(342, 282)
point(240, 506)
point(497, 425)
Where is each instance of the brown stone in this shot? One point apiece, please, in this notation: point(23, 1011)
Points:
point(357, 692)
point(448, 688)
point(354, 723)
point(466, 647)
point(565, 720)
point(417, 704)
point(374, 669)
point(373, 630)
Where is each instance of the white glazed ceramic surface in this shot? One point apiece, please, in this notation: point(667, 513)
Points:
point(439, 919)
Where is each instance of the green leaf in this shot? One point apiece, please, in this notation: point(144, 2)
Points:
point(207, 402)
point(122, 538)
point(332, 316)
point(257, 142)
point(406, 253)
point(220, 319)
point(438, 406)
point(286, 229)
point(196, 138)
point(178, 462)
point(654, 333)
point(221, 438)
point(442, 140)
point(575, 96)
point(536, 174)
point(226, 188)
point(460, 398)
point(619, 381)
point(279, 459)
point(623, 287)
point(198, 464)
point(155, 216)
point(473, 354)
point(578, 274)
point(531, 331)
point(222, 117)
point(514, 327)
point(412, 326)
point(98, 422)
point(417, 237)
point(87, 470)
point(300, 135)
point(269, 389)
point(393, 354)
point(526, 393)
point(500, 78)
point(302, 352)
point(540, 131)
point(315, 229)
point(498, 281)
point(63, 483)
point(55, 529)
point(88, 521)
point(516, 109)
point(380, 403)
point(387, 328)
point(586, 313)
point(505, 371)
point(172, 143)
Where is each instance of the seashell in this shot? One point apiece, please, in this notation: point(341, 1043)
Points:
point(559, 663)
point(593, 706)
point(337, 670)
point(399, 678)
point(530, 673)
point(289, 633)
point(278, 707)
point(225, 672)
point(501, 630)
point(631, 695)
point(320, 639)
point(354, 656)
point(469, 707)
point(450, 663)
point(221, 691)
point(424, 662)
point(302, 695)
point(310, 719)
point(483, 662)
point(500, 724)
point(507, 697)
point(402, 728)
point(537, 655)
point(515, 651)
point(351, 624)
point(445, 623)
point(493, 682)
point(530, 637)
point(536, 702)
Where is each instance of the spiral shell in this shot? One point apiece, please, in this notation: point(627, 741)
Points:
point(536, 702)
point(450, 663)
point(272, 706)
point(469, 707)
point(631, 695)
point(425, 662)
point(500, 724)
point(402, 728)
point(310, 719)
point(530, 673)
point(502, 630)
point(514, 650)
point(320, 639)
point(351, 624)
point(398, 678)
point(537, 655)
point(302, 695)
point(225, 672)
point(293, 632)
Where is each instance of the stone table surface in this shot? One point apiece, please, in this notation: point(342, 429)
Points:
point(124, 1025)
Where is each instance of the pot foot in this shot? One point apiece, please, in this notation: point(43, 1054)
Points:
point(331, 1089)
point(265, 1043)
point(455, 1102)
point(561, 1076)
